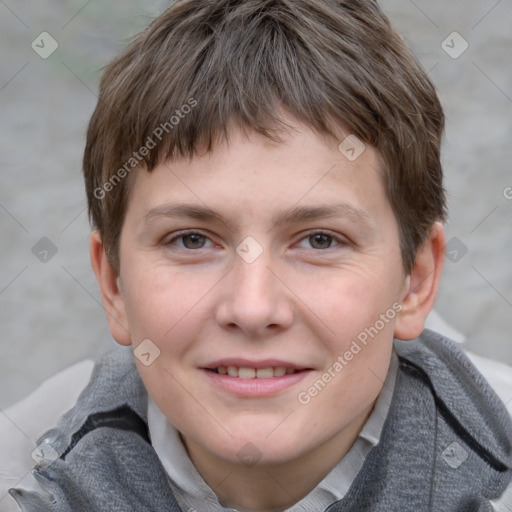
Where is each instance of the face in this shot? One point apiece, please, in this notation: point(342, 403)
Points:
point(258, 270)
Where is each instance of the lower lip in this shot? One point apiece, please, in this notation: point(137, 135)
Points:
point(255, 387)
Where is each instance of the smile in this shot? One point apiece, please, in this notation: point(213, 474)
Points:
point(254, 373)
point(254, 379)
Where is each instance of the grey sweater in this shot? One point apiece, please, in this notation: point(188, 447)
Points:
point(446, 445)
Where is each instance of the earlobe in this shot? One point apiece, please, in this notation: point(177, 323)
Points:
point(421, 286)
point(111, 295)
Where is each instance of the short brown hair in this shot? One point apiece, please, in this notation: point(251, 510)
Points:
point(329, 63)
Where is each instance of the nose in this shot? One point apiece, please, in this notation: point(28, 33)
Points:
point(255, 300)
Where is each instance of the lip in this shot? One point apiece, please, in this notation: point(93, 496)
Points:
point(254, 387)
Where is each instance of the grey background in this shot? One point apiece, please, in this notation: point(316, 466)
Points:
point(50, 312)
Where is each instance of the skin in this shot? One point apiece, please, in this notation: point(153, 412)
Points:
point(304, 300)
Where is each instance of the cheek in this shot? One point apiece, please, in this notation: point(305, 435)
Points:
point(347, 301)
point(357, 309)
point(358, 361)
point(162, 303)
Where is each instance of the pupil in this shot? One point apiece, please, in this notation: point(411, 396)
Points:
point(324, 241)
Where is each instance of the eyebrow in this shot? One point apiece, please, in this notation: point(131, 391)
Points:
point(295, 214)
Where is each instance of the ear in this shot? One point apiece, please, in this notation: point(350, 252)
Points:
point(422, 285)
point(111, 295)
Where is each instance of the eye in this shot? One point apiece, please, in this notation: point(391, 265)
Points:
point(189, 240)
point(321, 241)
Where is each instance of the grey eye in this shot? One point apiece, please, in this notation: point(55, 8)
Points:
point(193, 241)
point(320, 241)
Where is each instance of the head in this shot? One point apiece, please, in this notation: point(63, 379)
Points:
point(265, 185)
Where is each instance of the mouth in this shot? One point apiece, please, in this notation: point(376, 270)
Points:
point(244, 372)
point(246, 378)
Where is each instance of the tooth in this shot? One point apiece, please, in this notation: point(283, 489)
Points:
point(246, 373)
point(264, 373)
point(222, 370)
point(290, 370)
point(232, 371)
point(279, 371)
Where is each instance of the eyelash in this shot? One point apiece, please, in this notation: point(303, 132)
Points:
point(183, 234)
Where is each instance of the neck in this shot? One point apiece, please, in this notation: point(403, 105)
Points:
point(273, 487)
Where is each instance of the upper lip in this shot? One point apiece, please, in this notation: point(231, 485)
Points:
point(247, 363)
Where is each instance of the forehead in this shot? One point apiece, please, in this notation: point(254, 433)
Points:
point(303, 170)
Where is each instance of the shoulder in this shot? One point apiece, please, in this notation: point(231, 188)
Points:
point(59, 408)
point(471, 387)
point(498, 375)
point(24, 422)
point(442, 355)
